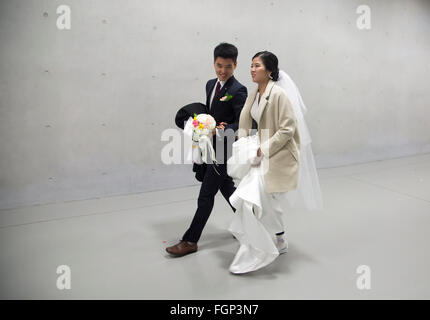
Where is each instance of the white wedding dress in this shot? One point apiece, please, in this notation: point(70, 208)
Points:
point(259, 215)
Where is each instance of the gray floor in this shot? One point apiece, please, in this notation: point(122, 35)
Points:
point(376, 214)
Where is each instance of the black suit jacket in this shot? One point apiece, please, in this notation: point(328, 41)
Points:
point(226, 111)
point(223, 111)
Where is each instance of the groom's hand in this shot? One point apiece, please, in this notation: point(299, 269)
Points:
point(221, 126)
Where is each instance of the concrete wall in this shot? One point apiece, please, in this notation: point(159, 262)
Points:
point(82, 110)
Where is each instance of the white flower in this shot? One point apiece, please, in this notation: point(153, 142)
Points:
point(207, 120)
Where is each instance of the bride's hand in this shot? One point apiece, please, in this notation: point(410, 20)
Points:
point(256, 161)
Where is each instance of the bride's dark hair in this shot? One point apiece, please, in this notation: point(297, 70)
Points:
point(270, 62)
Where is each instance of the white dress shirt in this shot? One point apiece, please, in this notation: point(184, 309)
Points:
point(254, 114)
point(213, 91)
point(255, 109)
point(218, 133)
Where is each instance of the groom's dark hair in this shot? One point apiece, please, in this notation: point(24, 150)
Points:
point(226, 51)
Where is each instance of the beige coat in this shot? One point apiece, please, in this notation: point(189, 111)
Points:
point(280, 144)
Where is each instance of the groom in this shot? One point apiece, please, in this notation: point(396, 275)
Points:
point(225, 98)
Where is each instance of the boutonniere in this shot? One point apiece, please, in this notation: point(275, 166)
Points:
point(226, 97)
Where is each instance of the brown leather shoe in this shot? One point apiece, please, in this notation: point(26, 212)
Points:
point(182, 248)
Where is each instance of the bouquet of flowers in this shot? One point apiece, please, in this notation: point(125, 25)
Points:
point(203, 124)
point(201, 127)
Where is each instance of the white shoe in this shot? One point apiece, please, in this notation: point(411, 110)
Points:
point(282, 244)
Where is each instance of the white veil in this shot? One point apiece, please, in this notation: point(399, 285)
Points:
point(308, 193)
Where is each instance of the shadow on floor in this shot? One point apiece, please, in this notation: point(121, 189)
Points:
point(213, 239)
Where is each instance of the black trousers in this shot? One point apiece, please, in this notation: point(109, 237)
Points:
point(212, 182)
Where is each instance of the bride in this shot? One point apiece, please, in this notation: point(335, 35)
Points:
point(272, 165)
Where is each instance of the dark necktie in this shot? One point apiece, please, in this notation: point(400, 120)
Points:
point(217, 89)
